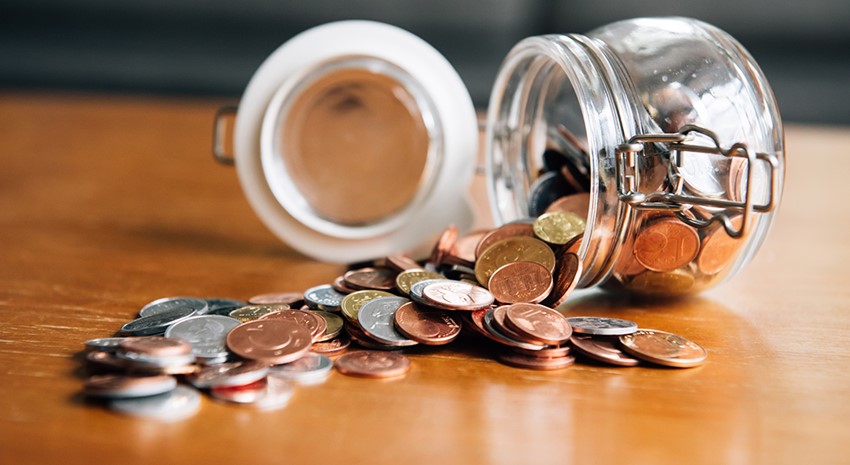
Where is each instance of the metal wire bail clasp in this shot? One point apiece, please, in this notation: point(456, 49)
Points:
point(676, 199)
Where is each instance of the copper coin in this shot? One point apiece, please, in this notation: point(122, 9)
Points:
point(229, 374)
point(513, 249)
point(503, 232)
point(293, 299)
point(535, 363)
point(567, 275)
point(520, 282)
point(341, 286)
point(666, 244)
point(463, 252)
point(120, 386)
point(360, 337)
point(430, 328)
point(456, 295)
point(663, 348)
point(333, 324)
point(538, 322)
point(718, 249)
point(333, 347)
point(676, 282)
point(156, 346)
point(547, 352)
point(363, 279)
point(314, 323)
point(494, 322)
point(373, 364)
point(602, 349)
point(475, 322)
point(444, 245)
point(270, 341)
point(400, 262)
point(576, 203)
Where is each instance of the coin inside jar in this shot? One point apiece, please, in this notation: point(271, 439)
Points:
point(381, 279)
point(602, 349)
point(312, 322)
point(558, 227)
point(666, 244)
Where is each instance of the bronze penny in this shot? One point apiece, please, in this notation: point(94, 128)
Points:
point(463, 252)
point(602, 349)
point(515, 339)
point(575, 203)
point(535, 363)
point(293, 299)
point(513, 249)
point(444, 245)
point(316, 324)
point(103, 360)
point(456, 295)
point(567, 275)
point(373, 364)
point(538, 322)
point(429, 328)
point(364, 279)
point(520, 282)
point(333, 324)
point(666, 244)
point(229, 374)
point(547, 352)
point(663, 348)
point(674, 282)
point(503, 232)
point(341, 286)
point(156, 346)
point(400, 262)
point(333, 347)
point(718, 249)
point(270, 341)
point(117, 386)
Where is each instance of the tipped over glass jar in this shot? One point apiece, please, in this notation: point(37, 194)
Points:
point(357, 139)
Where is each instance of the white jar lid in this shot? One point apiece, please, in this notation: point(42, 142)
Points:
point(270, 185)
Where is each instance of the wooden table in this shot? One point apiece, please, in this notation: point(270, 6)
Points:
point(107, 203)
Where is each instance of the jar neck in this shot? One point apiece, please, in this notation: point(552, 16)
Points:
point(543, 82)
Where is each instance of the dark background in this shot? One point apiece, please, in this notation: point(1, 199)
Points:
point(212, 47)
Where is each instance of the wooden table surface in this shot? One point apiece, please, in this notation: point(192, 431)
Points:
point(109, 202)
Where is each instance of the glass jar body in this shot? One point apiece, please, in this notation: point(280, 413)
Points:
point(666, 127)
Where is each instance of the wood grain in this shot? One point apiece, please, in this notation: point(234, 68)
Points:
point(109, 202)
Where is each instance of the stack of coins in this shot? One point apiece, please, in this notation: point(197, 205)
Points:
point(499, 285)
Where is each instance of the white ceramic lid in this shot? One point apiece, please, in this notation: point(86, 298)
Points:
point(440, 202)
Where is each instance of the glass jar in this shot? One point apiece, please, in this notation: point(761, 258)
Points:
point(357, 139)
point(670, 128)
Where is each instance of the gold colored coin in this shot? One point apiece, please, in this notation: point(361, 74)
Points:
point(512, 249)
point(558, 227)
point(252, 312)
point(676, 282)
point(352, 303)
point(408, 278)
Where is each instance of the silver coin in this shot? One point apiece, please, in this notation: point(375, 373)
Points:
point(229, 374)
point(167, 304)
point(377, 318)
point(323, 297)
point(601, 326)
point(206, 333)
point(107, 344)
point(704, 174)
point(157, 323)
point(222, 306)
point(149, 361)
point(310, 369)
point(490, 326)
point(178, 404)
point(417, 287)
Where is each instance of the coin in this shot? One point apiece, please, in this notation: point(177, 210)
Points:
point(456, 295)
point(341, 286)
point(718, 249)
point(180, 403)
point(253, 312)
point(351, 304)
point(312, 322)
point(219, 306)
point(156, 323)
point(503, 232)
point(663, 348)
point(535, 363)
point(323, 297)
point(406, 279)
point(520, 282)
point(310, 369)
point(671, 283)
point(206, 334)
point(333, 324)
point(379, 279)
point(601, 326)
point(104, 360)
point(504, 335)
point(426, 327)
point(108, 344)
point(538, 322)
point(241, 394)
point(566, 277)
point(373, 364)
point(666, 244)
point(602, 349)
point(401, 263)
point(166, 304)
point(444, 245)
point(547, 352)
point(463, 252)
point(229, 374)
point(293, 299)
point(558, 227)
point(545, 190)
point(120, 386)
point(574, 203)
point(376, 318)
point(156, 346)
point(334, 346)
point(270, 341)
point(512, 249)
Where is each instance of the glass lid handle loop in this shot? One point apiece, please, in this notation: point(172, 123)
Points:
point(676, 147)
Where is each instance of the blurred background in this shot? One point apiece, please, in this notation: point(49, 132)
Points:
point(212, 47)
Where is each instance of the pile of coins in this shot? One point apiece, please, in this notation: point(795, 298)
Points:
point(500, 285)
